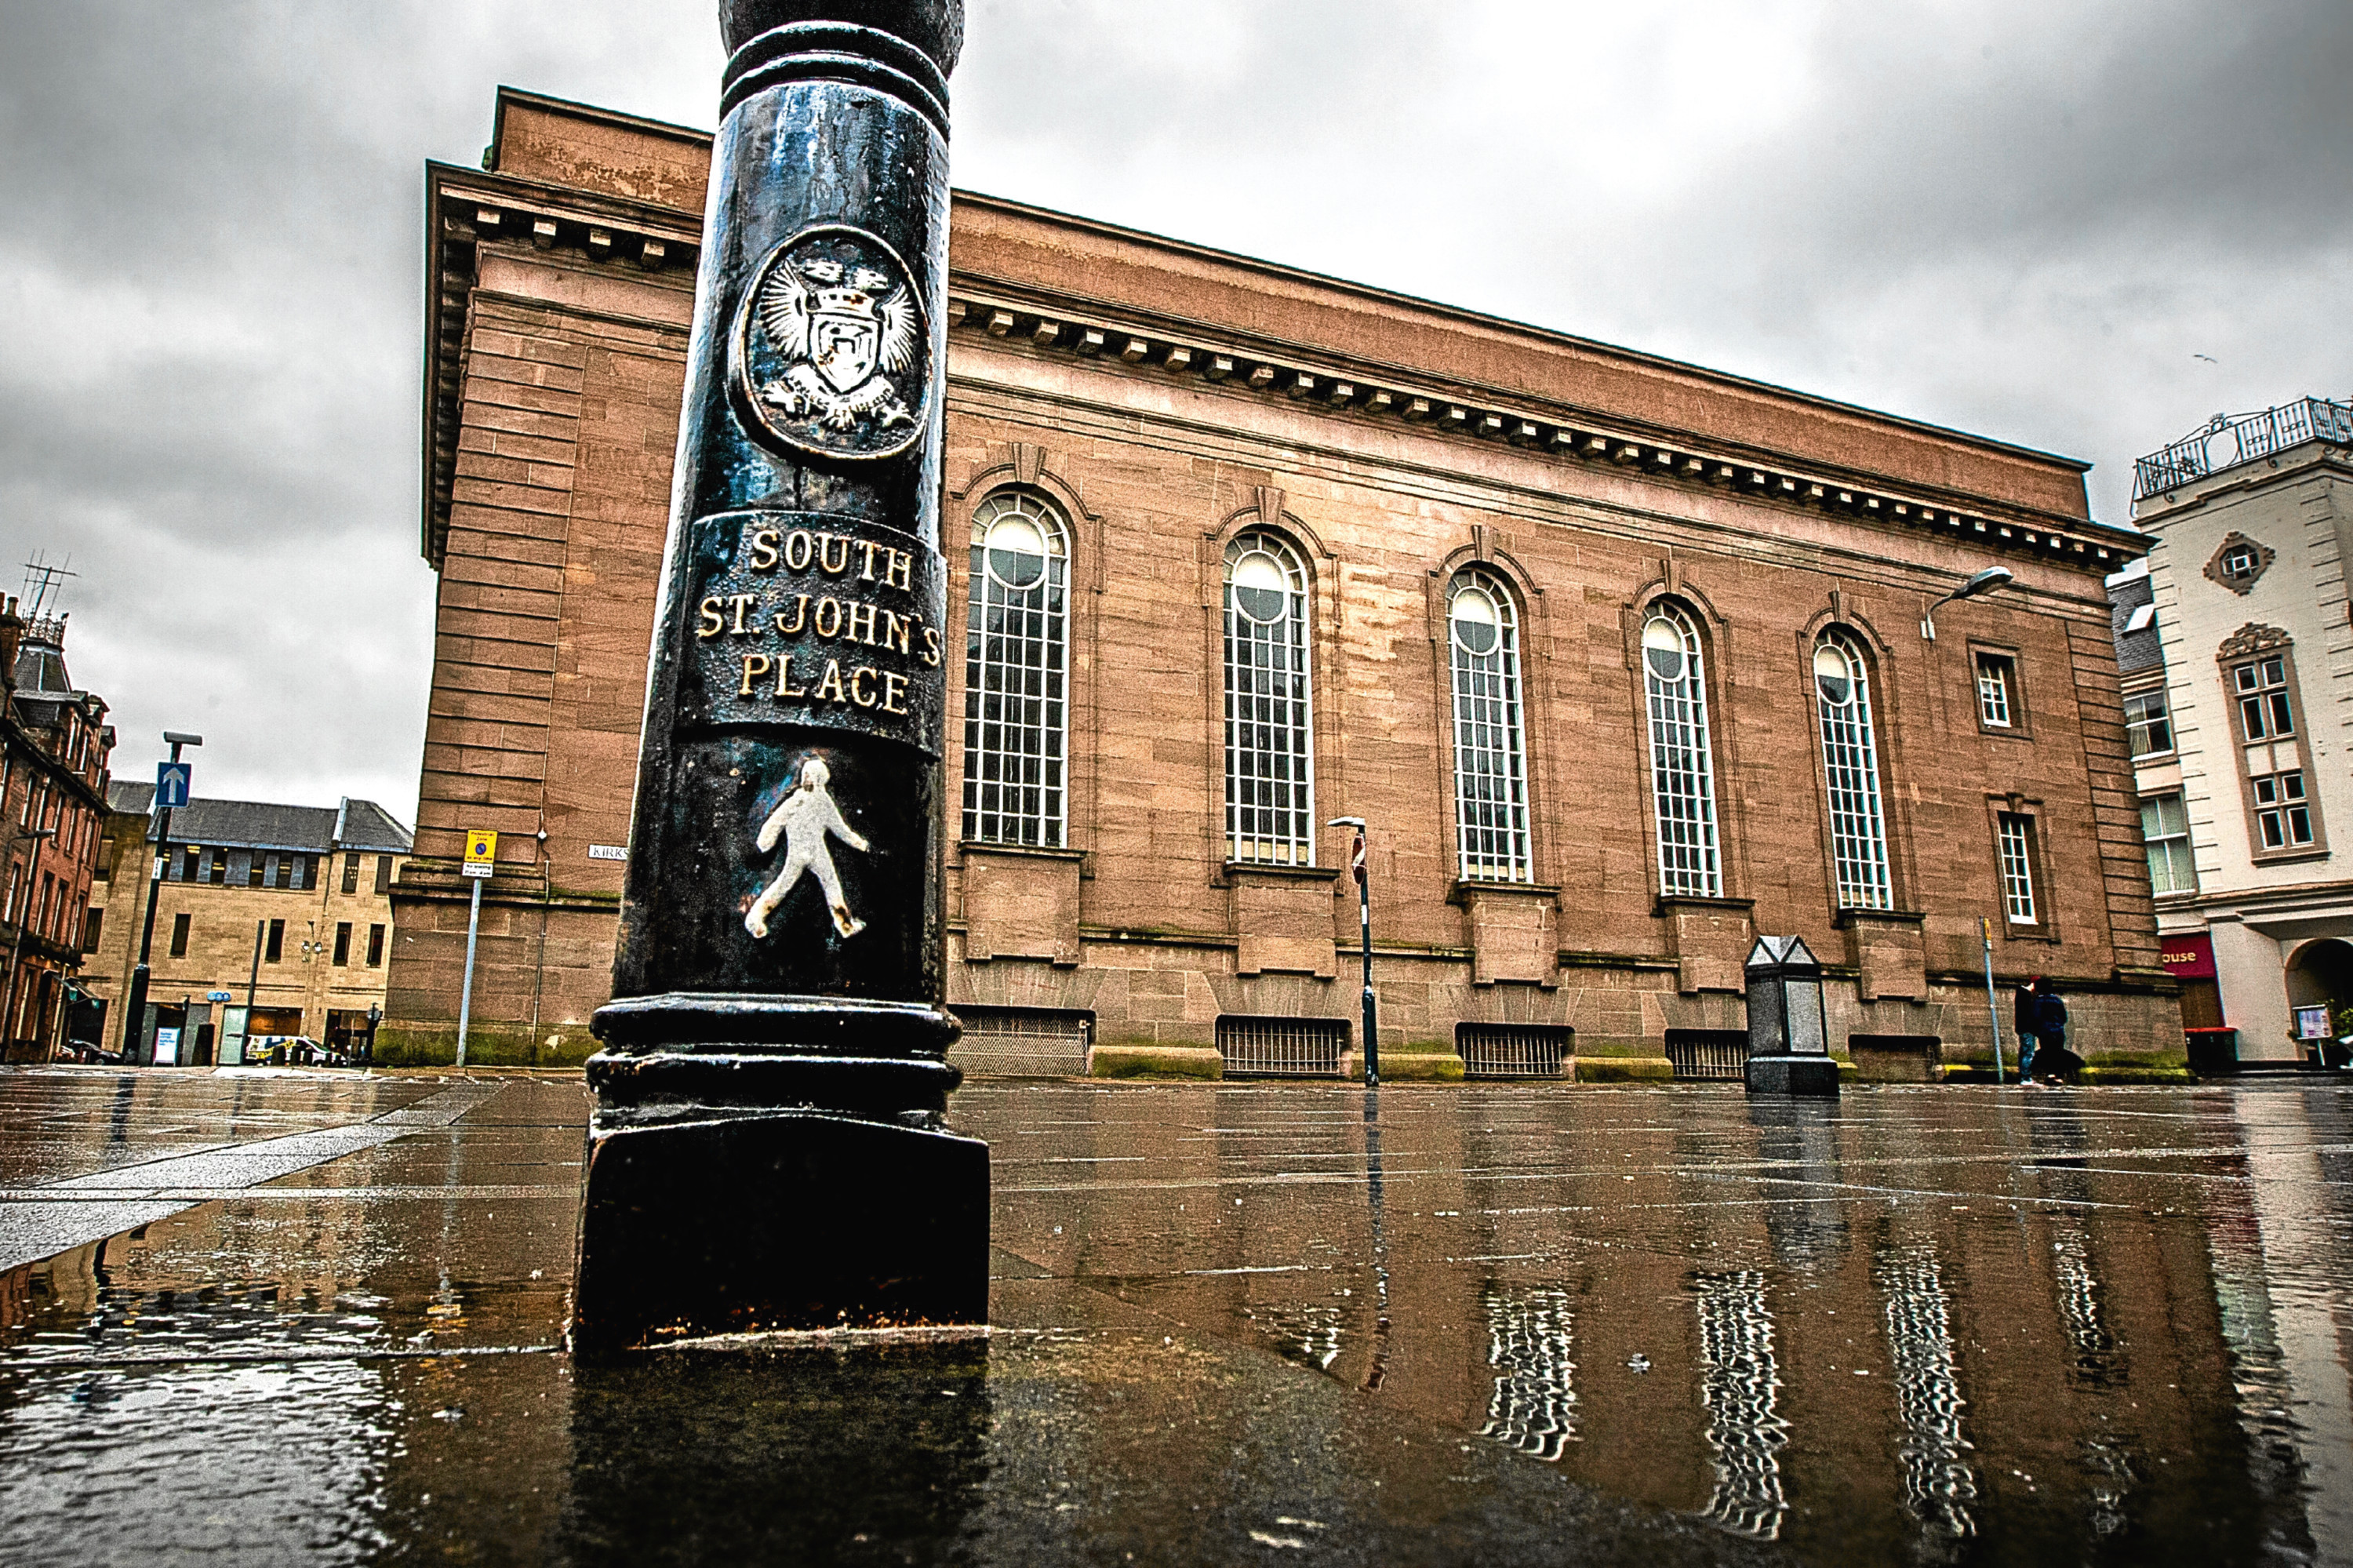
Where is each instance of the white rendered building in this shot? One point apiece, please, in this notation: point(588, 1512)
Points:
point(2242, 731)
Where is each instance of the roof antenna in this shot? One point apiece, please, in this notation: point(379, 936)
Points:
point(45, 586)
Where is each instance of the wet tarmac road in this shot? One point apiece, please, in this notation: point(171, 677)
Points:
point(1271, 1322)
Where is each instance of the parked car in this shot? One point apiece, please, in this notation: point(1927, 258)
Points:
point(292, 1051)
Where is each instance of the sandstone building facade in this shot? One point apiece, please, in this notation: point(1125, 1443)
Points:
point(1623, 660)
point(55, 744)
point(270, 920)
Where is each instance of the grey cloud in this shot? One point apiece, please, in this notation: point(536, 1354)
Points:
point(2018, 219)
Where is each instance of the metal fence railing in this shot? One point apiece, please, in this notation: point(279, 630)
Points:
point(1019, 1043)
point(1512, 1051)
point(1281, 1047)
point(1708, 1054)
point(2229, 439)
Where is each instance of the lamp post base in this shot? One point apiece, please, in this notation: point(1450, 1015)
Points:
point(1813, 1076)
point(704, 1219)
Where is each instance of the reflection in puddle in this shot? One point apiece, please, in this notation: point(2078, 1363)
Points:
point(1939, 1484)
point(1529, 1340)
point(2095, 1351)
point(1741, 1387)
point(1309, 1333)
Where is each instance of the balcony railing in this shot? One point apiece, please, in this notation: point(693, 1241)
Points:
point(2228, 441)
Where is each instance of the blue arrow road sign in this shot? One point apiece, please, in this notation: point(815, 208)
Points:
point(172, 783)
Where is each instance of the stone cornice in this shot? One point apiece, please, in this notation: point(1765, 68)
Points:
point(1029, 321)
point(465, 207)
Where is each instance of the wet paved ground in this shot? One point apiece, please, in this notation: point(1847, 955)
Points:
point(1233, 1324)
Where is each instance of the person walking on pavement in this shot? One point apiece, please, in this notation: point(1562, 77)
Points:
point(2026, 1016)
point(2050, 1031)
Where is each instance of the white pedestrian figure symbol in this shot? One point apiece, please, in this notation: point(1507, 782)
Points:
point(804, 819)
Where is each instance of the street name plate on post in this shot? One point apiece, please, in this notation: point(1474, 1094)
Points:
point(481, 853)
point(172, 781)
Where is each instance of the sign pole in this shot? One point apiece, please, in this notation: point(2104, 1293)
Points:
point(172, 785)
point(1993, 1008)
point(481, 864)
point(466, 994)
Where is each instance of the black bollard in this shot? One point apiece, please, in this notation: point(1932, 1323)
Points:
point(768, 1148)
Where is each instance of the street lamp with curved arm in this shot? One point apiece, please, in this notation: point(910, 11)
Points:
point(1985, 581)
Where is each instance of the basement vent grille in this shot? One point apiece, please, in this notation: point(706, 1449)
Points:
point(1720, 1054)
point(1281, 1047)
point(1021, 1042)
point(1513, 1050)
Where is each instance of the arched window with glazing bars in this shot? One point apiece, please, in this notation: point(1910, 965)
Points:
point(1850, 773)
point(1017, 674)
point(1682, 767)
point(1491, 767)
point(1269, 748)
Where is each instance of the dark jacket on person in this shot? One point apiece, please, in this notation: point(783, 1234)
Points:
point(2051, 1018)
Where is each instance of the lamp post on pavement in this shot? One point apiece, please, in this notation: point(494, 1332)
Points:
point(134, 1002)
point(1364, 926)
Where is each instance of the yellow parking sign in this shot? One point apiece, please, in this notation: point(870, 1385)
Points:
point(482, 850)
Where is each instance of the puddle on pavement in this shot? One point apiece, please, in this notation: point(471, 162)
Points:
point(1493, 1325)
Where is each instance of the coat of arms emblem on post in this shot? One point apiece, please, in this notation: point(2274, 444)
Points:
point(829, 346)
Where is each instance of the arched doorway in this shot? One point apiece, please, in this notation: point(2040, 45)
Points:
point(2319, 974)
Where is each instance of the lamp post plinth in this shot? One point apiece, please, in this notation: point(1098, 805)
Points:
point(768, 1148)
point(1789, 1037)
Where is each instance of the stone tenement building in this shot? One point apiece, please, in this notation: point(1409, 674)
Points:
point(54, 746)
point(1623, 660)
point(2235, 643)
point(285, 908)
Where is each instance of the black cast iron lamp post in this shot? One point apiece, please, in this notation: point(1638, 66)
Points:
point(1364, 927)
point(768, 1148)
point(134, 1001)
point(1788, 1037)
point(1985, 581)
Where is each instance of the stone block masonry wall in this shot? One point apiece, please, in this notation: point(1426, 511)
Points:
point(557, 523)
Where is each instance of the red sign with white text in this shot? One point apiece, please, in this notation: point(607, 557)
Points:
point(2187, 958)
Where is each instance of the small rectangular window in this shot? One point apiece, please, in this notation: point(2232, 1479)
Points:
point(2283, 816)
point(2165, 826)
point(351, 873)
point(343, 943)
point(2147, 725)
point(2017, 869)
point(180, 924)
point(93, 926)
point(383, 874)
point(376, 946)
point(192, 860)
point(285, 871)
point(219, 872)
point(256, 873)
point(1996, 680)
point(274, 947)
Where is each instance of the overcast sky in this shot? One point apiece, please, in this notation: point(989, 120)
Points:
point(2080, 226)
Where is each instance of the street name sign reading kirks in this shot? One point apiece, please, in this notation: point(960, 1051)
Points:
point(769, 1149)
